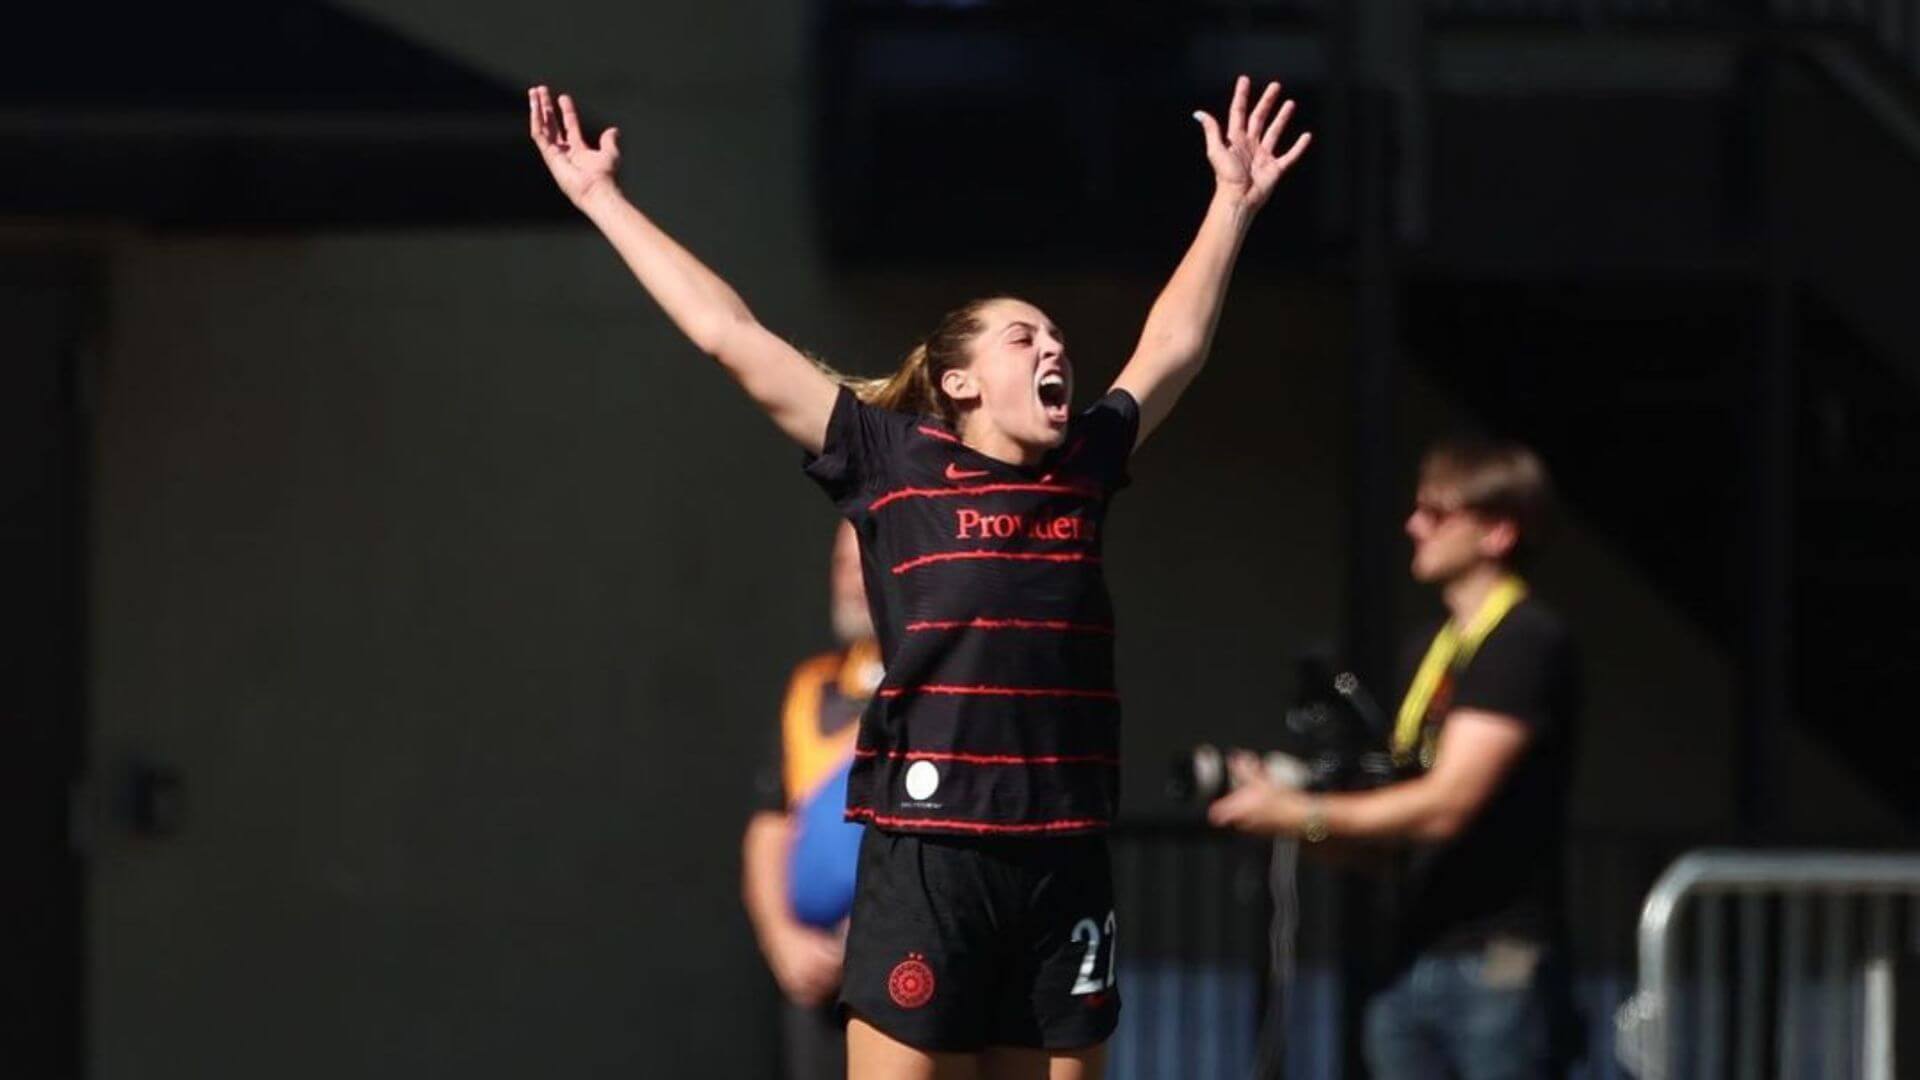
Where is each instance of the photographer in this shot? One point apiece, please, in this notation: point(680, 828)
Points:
point(1482, 747)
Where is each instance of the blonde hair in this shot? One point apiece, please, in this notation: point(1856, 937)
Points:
point(915, 387)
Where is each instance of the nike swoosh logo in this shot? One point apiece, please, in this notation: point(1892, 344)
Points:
point(955, 472)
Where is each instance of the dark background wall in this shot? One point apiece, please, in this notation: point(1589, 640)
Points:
point(45, 310)
point(465, 636)
point(457, 593)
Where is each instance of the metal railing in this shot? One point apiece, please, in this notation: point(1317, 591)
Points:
point(1192, 931)
point(1196, 912)
point(1768, 1006)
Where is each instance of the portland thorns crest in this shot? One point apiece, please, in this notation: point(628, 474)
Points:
point(911, 983)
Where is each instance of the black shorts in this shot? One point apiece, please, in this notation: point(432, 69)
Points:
point(960, 944)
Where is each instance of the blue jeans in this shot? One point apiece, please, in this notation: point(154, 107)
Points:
point(1487, 1014)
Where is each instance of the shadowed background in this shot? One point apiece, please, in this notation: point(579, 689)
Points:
point(400, 607)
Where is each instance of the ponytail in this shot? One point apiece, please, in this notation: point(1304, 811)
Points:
point(909, 390)
point(915, 387)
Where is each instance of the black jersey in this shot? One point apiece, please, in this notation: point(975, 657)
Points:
point(999, 713)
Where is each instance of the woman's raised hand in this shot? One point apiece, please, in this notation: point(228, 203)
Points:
point(578, 168)
point(1243, 156)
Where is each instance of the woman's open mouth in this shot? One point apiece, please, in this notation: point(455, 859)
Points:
point(1053, 393)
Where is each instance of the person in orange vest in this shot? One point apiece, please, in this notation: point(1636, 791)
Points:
point(799, 851)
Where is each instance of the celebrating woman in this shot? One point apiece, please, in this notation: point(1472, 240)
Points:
point(982, 934)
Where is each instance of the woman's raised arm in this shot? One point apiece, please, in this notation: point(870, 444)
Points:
point(784, 383)
point(1179, 329)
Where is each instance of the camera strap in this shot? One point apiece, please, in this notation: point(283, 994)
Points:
point(1452, 650)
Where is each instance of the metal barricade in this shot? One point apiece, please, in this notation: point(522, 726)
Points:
point(1192, 933)
point(1771, 965)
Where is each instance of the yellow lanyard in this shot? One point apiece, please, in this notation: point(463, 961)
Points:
point(1452, 650)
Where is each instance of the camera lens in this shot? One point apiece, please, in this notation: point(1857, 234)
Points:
point(1197, 776)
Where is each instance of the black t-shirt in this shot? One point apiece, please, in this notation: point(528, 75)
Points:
point(1503, 875)
point(999, 713)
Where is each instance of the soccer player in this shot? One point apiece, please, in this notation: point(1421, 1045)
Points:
point(981, 940)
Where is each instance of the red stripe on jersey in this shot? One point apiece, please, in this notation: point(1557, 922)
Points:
point(991, 759)
point(1060, 625)
point(1018, 556)
point(944, 436)
point(980, 489)
point(999, 691)
point(866, 813)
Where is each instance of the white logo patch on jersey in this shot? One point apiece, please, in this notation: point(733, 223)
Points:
point(923, 779)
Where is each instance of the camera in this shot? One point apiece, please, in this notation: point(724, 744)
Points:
point(1332, 738)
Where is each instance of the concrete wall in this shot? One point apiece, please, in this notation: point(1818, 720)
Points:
point(458, 591)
